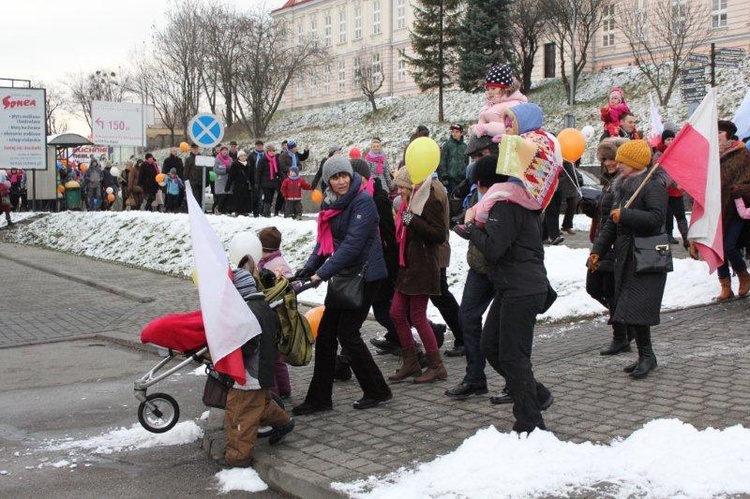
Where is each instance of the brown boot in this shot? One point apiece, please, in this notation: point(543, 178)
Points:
point(435, 369)
point(726, 289)
point(409, 366)
point(744, 282)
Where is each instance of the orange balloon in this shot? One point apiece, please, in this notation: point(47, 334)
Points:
point(313, 316)
point(316, 196)
point(83, 167)
point(184, 146)
point(110, 197)
point(160, 178)
point(60, 189)
point(572, 143)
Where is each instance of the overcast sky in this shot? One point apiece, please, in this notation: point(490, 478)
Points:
point(44, 40)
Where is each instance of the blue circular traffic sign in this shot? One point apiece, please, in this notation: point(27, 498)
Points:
point(206, 129)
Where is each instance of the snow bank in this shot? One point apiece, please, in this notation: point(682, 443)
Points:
point(665, 458)
point(245, 479)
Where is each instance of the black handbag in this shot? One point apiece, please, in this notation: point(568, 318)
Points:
point(652, 254)
point(346, 290)
point(217, 388)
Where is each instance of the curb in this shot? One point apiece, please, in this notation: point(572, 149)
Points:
point(83, 280)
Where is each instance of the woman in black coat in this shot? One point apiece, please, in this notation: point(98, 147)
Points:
point(600, 285)
point(241, 182)
point(269, 178)
point(638, 296)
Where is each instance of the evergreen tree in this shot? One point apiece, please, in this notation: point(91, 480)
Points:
point(485, 38)
point(433, 41)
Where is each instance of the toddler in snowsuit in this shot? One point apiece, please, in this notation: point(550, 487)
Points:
point(291, 189)
point(613, 111)
point(174, 190)
point(251, 405)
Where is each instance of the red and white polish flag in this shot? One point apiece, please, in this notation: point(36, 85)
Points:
point(228, 321)
point(692, 160)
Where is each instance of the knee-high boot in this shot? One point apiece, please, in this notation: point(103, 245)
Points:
point(682, 226)
point(646, 358)
point(620, 340)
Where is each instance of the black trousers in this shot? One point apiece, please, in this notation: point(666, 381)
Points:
point(342, 326)
point(507, 341)
point(551, 225)
point(448, 307)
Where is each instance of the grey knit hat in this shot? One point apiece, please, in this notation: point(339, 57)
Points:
point(336, 164)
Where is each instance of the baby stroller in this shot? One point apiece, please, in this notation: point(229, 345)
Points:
point(180, 336)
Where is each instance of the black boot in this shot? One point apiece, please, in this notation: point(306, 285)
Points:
point(682, 226)
point(620, 341)
point(646, 358)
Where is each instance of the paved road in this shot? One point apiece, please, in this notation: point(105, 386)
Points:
point(703, 378)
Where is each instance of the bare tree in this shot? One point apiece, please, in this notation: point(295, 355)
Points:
point(573, 25)
point(162, 93)
point(529, 22)
point(101, 85)
point(179, 57)
point(661, 37)
point(368, 74)
point(270, 62)
point(56, 102)
point(223, 32)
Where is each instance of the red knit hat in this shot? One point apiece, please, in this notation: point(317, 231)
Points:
point(355, 153)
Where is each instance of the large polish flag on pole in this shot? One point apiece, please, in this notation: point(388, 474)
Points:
point(656, 127)
point(692, 160)
point(228, 321)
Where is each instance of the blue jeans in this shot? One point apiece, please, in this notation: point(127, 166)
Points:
point(477, 296)
point(732, 254)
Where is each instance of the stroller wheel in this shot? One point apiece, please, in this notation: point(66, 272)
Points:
point(158, 413)
point(265, 431)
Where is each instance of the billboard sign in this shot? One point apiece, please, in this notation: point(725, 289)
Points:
point(118, 123)
point(23, 128)
point(83, 154)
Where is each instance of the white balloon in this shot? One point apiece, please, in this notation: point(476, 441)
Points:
point(110, 190)
point(245, 243)
point(114, 171)
point(588, 132)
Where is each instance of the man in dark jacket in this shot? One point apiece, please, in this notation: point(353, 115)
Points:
point(173, 161)
point(193, 174)
point(288, 159)
point(453, 159)
point(254, 159)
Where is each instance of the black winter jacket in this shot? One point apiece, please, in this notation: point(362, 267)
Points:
point(265, 343)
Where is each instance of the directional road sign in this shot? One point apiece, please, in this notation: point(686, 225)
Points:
point(206, 129)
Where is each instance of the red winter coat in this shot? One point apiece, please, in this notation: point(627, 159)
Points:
point(291, 188)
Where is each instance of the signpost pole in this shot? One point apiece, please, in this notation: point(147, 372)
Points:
point(713, 64)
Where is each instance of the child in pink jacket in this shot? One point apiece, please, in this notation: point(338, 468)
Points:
point(502, 92)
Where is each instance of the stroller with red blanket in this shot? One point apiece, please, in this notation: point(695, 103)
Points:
point(182, 336)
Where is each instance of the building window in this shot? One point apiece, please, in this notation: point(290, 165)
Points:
point(299, 90)
point(342, 26)
point(313, 84)
point(357, 71)
point(401, 73)
point(549, 60)
point(328, 79)
point(327, 28)
point(377, 70)
point(342, 75)
point(300, 32)
point(718, 13)
point(608, 25)
point(401, 14)
point(376, 17)
point(313, 29)
point(357, 21)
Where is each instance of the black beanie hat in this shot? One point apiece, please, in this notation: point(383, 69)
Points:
point(729, 127)
point(667, 134)
point(485, 171)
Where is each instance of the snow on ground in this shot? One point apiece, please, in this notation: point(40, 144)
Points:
point(665, 458)
point(161, 242)
point(245, 479)
point(16, 217)
point(135, 437)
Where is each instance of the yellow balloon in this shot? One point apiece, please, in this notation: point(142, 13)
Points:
point(422, 158)
point(194, 277)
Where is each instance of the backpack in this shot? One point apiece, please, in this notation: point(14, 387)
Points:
point(295, 340)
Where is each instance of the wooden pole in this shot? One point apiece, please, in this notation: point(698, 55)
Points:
point(640, 187)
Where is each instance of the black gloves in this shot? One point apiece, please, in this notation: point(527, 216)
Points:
point(303, 273)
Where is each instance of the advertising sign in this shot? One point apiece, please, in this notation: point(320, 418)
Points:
point(23, 128)
point(118, 123)
point(83, 154)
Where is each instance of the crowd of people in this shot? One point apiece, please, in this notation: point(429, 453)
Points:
point(377, 222)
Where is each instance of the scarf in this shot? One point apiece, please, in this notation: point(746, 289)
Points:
point(225, 160)
point(263, 261)
point(378, 159)
point(511, 192)
point(272, 166)
point(325, 236)
point(401, 233)
point(729, 146)
point(293, 156)
point(370, 186)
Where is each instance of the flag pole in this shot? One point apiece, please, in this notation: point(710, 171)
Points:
point(640, 187)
